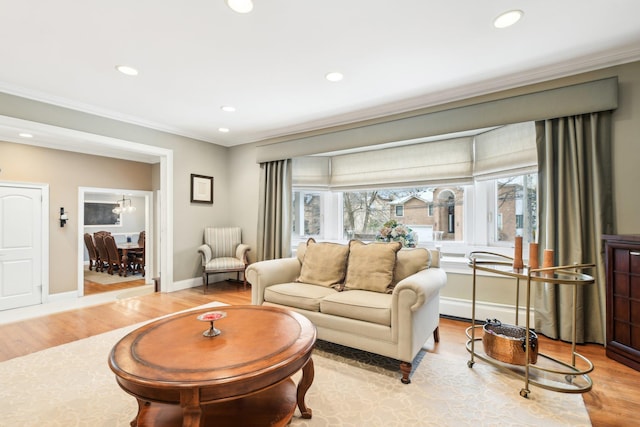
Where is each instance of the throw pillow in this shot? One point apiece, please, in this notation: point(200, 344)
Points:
point(324, 263)
point(410, 261)
point(371, 265)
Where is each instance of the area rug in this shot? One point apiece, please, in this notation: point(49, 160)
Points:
point(72, 385)
point(105, 278)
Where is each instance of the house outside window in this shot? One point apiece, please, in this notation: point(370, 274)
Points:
point(516, 206)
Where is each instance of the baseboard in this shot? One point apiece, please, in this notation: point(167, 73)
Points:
point(62, 296)
point(194, 282)
point(185, 284)
point(461, 308)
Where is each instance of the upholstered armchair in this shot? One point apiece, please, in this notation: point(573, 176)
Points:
point(223, 252)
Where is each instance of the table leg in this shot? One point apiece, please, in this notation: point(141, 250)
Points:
point(124, 262)
point(191, 410)
point(304, 384)
point(143, 406)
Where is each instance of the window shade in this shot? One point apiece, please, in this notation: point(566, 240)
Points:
point(509, 150)
point(505, 151)
point(312, 172)
point(428, 163)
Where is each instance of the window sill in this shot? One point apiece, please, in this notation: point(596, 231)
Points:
point(455, 256)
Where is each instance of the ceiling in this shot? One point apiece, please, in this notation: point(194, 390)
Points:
point(195, 56)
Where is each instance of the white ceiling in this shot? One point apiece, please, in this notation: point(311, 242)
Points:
point(195, 56)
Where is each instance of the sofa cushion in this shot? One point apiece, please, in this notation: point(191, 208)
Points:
point(410, 261)
point(298, 295)
point(374, 307)
point(225, 263)
point(324, 263)
point(371, 265)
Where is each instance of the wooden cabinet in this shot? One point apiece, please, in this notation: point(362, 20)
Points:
point(623, 298)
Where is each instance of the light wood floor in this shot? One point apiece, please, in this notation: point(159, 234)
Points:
point(613, 401)
point(92, 288)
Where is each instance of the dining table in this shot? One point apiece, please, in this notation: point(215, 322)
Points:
point(123, 249)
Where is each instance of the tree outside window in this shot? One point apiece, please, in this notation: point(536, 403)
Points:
point(421, 208)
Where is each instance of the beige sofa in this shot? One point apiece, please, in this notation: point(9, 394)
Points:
point(373, 297)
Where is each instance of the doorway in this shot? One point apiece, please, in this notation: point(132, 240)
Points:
point(62, 138)
point(124, 227)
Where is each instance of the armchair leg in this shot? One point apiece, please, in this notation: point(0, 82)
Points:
point(244, 281)
point(238, 279)
point(405, 368)
point(436, 334)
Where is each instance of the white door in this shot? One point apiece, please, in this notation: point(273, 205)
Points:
point(20, 247)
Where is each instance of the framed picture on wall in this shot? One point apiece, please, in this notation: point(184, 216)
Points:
point(201, 189)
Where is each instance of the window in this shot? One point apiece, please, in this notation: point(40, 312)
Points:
point(307, 218)
point(361, 214)
point(474, 192)
point(458, 213)
point(516, 206)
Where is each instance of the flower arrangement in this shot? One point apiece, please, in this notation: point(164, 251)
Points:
point(393, 231)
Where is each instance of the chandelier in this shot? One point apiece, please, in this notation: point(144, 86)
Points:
point(122, 206)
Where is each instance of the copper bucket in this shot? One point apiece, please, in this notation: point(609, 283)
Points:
point(507, 343)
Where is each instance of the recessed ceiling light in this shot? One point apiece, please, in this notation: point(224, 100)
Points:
point(334, 76)
point(240, 6)
point(507, 19)
point(228, 108)
point(25, 135)
point(223, 130)
point(125, 69)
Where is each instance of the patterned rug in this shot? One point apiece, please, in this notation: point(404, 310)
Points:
point(72, 385)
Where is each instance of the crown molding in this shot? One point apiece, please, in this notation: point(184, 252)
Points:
point(62, 102)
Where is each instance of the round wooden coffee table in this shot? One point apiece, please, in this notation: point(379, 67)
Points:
point(240, 377)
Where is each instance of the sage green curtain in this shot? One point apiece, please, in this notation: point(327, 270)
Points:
point(576, 209)
point(274, 213)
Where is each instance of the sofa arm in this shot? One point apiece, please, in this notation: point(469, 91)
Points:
point(205, 253)
point(415, 310)
point(263, 274)
point(422, 285)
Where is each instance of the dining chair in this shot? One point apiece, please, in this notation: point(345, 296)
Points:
point(93, 251)
point(137, 256)
point(115, 259)
point(103, 255)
